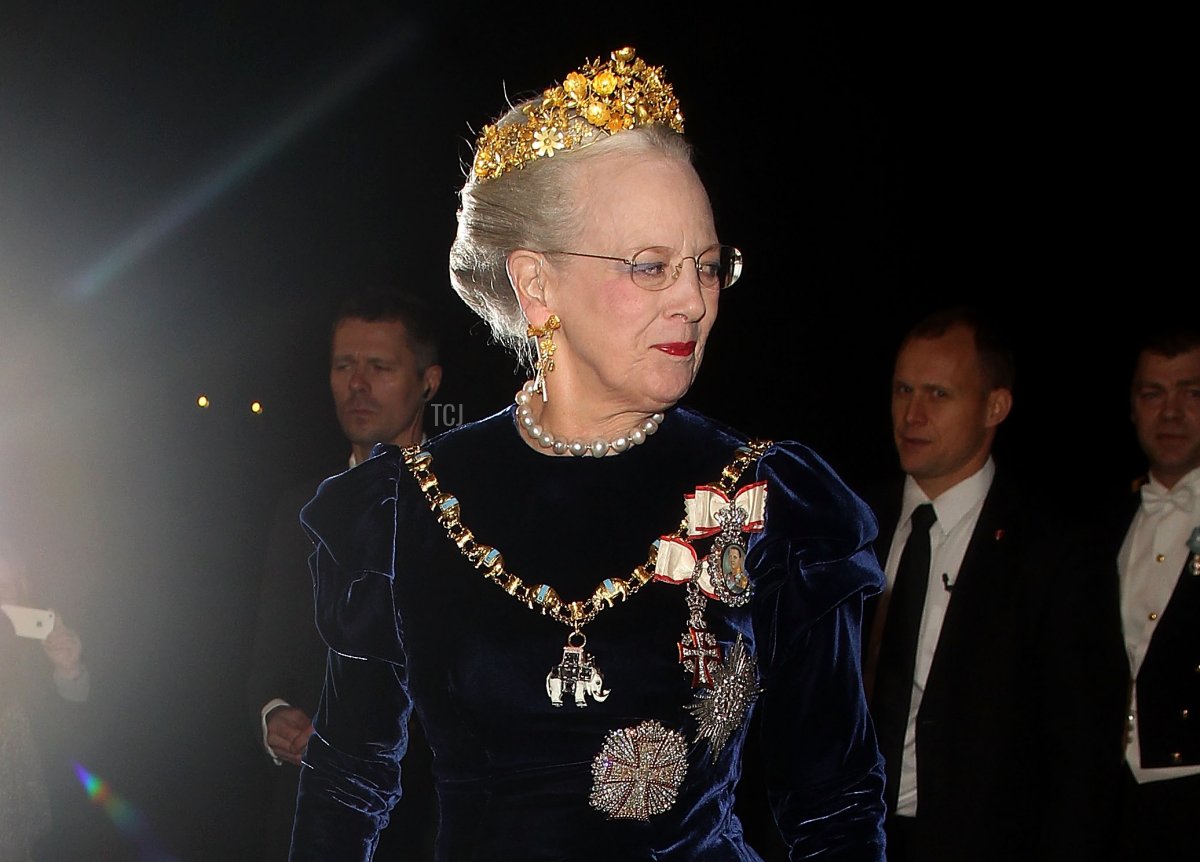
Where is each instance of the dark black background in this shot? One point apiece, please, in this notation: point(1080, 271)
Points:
point(186, 193)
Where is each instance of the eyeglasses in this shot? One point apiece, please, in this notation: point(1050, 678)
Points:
point(652, 268)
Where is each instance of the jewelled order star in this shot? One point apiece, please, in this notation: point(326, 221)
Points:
point(638, 771)
point(721, 709)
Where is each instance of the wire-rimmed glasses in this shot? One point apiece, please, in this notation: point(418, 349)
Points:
point(658, 268)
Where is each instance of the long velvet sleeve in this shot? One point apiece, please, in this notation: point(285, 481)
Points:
point(814, 566)
point(351, 775)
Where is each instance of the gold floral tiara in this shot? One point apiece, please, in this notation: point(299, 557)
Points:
point(612, 96)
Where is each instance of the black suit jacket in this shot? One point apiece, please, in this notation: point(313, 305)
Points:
point(1019, 729)
point(289, 656)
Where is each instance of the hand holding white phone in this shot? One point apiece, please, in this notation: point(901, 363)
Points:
point(34, 623)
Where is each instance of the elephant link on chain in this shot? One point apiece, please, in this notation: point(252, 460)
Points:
point(575, 675)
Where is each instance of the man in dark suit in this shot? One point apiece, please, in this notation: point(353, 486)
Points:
point(1158, 563)
point(989, 720)
point(383, 371)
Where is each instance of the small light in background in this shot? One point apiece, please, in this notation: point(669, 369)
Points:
point(202, 401)
point(256, 407)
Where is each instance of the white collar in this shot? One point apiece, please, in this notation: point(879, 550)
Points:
point(955, 502)
point(1191, 481)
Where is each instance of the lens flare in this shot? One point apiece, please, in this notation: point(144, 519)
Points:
point(129, 821)
point(184, 206)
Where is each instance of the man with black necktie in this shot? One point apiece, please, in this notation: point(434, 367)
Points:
point(1158, 566)
point(989, 720)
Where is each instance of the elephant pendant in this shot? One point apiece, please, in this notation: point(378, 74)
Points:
point(575, 676)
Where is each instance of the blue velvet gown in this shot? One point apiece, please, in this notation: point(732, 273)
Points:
point(411, 624)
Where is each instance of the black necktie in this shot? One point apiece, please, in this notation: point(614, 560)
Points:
point(897, 663)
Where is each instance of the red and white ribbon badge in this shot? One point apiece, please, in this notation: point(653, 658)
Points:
point(703, 505)
point(677, 558)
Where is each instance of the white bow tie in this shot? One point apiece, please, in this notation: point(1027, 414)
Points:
point(1155, 501)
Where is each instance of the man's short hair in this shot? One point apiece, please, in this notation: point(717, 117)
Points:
point(374, 304)
point(1169, 341)
point(991, 342)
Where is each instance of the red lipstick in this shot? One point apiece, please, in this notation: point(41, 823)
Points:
point(677, 348)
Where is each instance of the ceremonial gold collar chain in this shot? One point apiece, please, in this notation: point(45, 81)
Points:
point(542, 597)
point(638, 770)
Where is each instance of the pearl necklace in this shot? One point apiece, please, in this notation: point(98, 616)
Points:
point(598, 448)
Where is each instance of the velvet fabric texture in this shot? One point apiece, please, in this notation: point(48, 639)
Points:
point(411, 624)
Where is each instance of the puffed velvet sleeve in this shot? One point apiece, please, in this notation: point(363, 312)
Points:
point(813, 567)
point(351, 774)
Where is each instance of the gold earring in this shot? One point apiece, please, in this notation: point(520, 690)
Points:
point(544, 343)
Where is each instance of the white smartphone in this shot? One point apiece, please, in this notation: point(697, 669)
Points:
point(30, 622)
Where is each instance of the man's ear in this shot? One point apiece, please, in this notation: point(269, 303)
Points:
point(431, 378)
point(999, 403)
point(527, 274)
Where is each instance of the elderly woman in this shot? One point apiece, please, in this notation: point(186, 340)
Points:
point(545, 587)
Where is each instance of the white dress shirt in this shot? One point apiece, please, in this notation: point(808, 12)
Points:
point(957, 511)
point(1152, 558)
